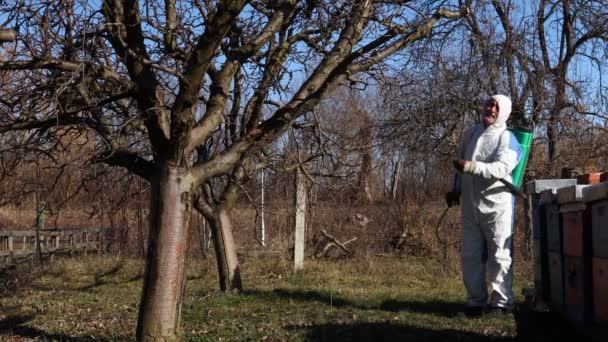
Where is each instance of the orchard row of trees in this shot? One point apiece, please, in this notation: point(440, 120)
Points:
point(367, 98)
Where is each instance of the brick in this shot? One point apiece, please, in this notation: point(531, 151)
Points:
point(589, 178)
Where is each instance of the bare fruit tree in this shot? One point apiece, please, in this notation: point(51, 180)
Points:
point(184, 93)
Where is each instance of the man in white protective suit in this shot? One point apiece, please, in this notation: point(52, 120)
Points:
point(488, 152)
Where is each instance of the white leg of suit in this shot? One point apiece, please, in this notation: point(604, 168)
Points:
point(473, 263)
point(488, 246)
point(499, 241)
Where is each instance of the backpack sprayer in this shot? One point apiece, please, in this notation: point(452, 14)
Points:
point(524, 135)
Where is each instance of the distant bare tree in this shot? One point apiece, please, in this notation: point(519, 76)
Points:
point(536, 59)
point(548, 56)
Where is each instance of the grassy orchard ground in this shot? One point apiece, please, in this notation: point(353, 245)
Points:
point(375, 298)
point(365, 298)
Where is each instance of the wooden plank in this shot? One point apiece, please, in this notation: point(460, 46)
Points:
point(19, 252)
point(50, 232)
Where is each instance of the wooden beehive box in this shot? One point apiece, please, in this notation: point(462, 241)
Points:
point(570, 194)
point(597, 197)
point(599, 228)
point(556, 280)
point(554, 228)
point(600, 290)
point(576, 229)
point(577, 289)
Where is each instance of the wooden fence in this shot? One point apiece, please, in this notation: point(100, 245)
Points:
point(18, 244)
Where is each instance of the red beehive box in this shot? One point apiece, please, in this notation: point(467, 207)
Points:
point(577, 289)
point(600, 228)
point(596, 196)
point(589, 178)
point(576, 225)
point(575, 222)
point(600, 289)
point(556, 280)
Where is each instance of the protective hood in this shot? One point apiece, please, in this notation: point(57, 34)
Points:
point(504, 110)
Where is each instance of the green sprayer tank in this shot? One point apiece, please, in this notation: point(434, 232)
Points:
point(524, 137)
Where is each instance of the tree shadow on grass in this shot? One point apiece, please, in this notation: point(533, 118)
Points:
point(98, 277)
point(388, 332)
point(15, 326)
point(538, 328)
point(97, 281)
point(439, 308)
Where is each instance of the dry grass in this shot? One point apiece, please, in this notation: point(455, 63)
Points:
point(383, 293)
point(365, 298)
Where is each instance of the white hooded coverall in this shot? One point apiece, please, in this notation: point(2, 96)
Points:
point(488, 209)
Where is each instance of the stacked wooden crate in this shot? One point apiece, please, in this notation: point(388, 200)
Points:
point(596, 197)
point(554, 250)
point(576, 238)
point(541, 195)
point(572, 252)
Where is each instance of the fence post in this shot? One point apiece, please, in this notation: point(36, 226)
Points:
point(300, 221)
point(40, 225)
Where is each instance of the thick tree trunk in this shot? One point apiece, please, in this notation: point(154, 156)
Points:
point(165, 274)
point(225, 252)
